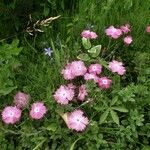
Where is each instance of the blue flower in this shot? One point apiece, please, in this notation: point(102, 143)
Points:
point(48, 51)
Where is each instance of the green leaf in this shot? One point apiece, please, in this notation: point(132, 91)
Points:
point(146, 148)
point(52, 127)
point(73, 145)
point(84, 57)
point(114, 100)
point(95, 51)
point(119, 108)
point(86, 43)
point(104, 116)
point(114, 116)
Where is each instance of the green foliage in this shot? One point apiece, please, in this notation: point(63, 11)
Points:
point(119, 117)
point(8, 65)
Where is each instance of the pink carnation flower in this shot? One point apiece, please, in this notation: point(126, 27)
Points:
point(78, 68)
point(82, 92)
point(38, 110)
point(116, 66)
point(93, 35)
point(77, 121)
point(67, 72)
point(10, 114)
point(64, 94)
point(90, 76)
point(95, 68)
point(88, 34)
point(21, 99)
point(128, 40)
point(125, 28)
point(113, 32)
point(148, 29)
point(104, 83)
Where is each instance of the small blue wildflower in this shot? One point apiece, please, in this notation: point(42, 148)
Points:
point(48, 51)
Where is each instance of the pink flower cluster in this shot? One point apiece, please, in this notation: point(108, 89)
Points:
point(74, 69)
point(67, 93)
point(148, 29)
point(12, 114)
point(89, 34)
point(115, 33)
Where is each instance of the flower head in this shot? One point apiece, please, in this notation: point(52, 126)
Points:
point(116, 66)
point(91, 76)
point(21, 99)
point(82, 92)
point(77, 121)
point(113, 32)
point(67, 72)
point(48, 51)
point(104, 83)
point(38, 110)
point(78, 68)
point(148, 29)
point(64, 94)
point(10, 114)
point(128, 40)
point(89, 34)
point(125, 28)
point(95, 68)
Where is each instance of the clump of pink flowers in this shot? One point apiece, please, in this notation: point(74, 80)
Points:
point(21, 99)
point(74, 69)
point(115, 33)
point(38, 110)
point(11, 114)
point(89, 34)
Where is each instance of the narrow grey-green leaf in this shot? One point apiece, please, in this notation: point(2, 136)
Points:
point(104, 116)
point(114, 116)
point(121, 109)
point(73, 145)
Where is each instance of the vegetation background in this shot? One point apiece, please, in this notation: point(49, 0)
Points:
point(24, 67)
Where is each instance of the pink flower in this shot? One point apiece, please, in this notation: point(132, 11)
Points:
point(89, 34)
point(64, 94)
point(78, 68)
point(93, 35)
point(71, 86)
point(113, 32)
point(104, 83)
point(125, 28)
point(38, 110)
point(95, 68)
point(77, 121)
point(82, 92)
point(148, 29)
point(128, 40)
point(86, 34)
point(21, 99)
point(10, 114)
point(90, 76)
point(67, 72)
point(116, 66)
